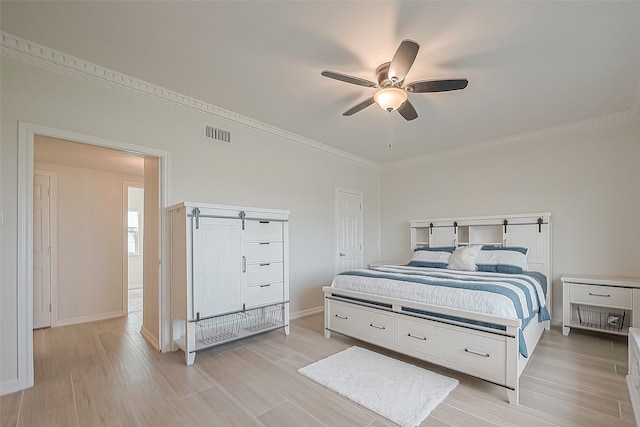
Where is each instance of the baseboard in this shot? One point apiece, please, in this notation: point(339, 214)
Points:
point(11, 386)
point(149, 337)
point(307, 312)
point(90, 318)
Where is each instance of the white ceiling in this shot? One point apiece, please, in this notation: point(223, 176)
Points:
point(530, 65)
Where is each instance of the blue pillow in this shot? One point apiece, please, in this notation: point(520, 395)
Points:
point(502, 259)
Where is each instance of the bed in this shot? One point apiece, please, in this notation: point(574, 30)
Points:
point(478, 306)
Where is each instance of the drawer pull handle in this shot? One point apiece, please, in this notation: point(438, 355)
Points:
point(265, 286)
point(476, 353)
point(264, 243)
point(373, 325)
point(418, 337)
point(263, 222)
point(341, 317)
point(599, 295)
point(265, 264)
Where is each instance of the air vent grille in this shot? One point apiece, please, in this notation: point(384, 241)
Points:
point(217, 134)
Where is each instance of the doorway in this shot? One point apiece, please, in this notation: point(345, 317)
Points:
point(44, 244)
point(135, 249)
point(349, 230)
point(158, 331)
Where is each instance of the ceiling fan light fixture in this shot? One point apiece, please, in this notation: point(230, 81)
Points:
point(390, 98)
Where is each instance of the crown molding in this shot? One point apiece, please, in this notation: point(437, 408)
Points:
point(44, 57)
point(595, 123)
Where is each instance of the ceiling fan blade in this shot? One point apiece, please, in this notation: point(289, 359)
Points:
point(403, 60)
point(407, 111)
point(348, 79)
point(436, 85)
point(364, 104)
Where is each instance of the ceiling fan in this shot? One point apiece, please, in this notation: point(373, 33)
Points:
point(392, 94)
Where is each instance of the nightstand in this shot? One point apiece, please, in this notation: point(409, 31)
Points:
point(597, 303)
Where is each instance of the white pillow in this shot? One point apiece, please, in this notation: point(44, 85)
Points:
point(464, 258)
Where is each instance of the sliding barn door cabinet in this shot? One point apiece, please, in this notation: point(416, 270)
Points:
point(229, 274)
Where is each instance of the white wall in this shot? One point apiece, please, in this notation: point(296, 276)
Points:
point(256, 169)
point(589, 181)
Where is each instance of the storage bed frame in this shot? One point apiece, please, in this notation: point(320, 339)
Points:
point(416, 329)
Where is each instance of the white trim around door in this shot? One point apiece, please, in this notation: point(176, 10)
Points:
point(26, 136)
point(349, 229)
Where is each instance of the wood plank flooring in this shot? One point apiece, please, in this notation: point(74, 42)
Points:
point(104, 374)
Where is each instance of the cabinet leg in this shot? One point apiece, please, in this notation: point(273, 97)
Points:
point(286, 330)
point(190, 357)
point(565, 330)
point(514, 396)
point(327, 333)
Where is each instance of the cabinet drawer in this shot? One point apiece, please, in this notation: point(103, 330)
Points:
point(261, 252)
point(606, 296)
point(264, 294)
point(475, 354)
point(349, 319)
point(266, 272)
point(262, 231)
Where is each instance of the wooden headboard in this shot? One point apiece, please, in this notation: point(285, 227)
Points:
point(532, 231)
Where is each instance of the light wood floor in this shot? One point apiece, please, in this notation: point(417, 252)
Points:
point(104, 373)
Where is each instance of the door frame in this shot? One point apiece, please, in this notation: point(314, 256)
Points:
point(26, 139)
point(339, 190)
point(53, 241)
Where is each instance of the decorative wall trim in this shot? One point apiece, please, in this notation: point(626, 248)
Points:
point(36, 54)
point(150, 338)
point(33, 53)
point(307, 312)
point(596, 123)
point(90, 318)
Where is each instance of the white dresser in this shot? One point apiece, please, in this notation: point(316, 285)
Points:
point(229, 274)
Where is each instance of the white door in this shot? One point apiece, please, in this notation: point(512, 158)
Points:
point(41, 251)
point(349, 228)
point(217, 266)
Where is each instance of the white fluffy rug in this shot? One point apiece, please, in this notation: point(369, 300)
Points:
point(403, 393)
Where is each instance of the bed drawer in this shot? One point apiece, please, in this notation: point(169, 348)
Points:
point(361, 322)
point(606, 296)
point(469, 352)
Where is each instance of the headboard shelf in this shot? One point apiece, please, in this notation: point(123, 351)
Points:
point(531, 231)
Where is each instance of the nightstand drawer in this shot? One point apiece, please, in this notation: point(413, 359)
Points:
point(605, 296)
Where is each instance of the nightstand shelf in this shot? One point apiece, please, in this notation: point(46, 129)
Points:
point(602, 304)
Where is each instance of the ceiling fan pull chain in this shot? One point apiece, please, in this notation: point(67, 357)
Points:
point(389, 133)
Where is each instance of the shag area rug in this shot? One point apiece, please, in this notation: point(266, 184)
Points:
point(400, 392)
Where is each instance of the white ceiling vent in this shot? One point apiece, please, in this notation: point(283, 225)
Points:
point(217, 134)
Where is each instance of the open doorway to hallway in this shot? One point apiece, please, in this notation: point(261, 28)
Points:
point(97, 261)
point(135, 248)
